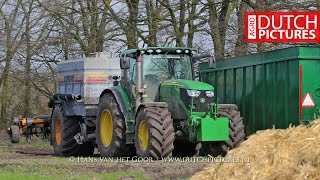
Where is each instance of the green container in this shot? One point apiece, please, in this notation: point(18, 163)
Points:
point(269, 88)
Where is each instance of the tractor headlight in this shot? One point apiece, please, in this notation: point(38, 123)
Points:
point(150, 51)
point(178, 51)
point(158, 50)
point(209, 94)
point(193, 93)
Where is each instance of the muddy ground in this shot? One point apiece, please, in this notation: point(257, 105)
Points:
point(37, 158)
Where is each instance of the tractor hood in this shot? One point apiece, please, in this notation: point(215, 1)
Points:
point(187, 84)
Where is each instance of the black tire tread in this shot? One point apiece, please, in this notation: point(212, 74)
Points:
point(15, 134)
point(161, 132)
point(118, 145)
point(70, 127)
point(236, 128)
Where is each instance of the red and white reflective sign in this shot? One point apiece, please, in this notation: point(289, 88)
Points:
point(308, 101)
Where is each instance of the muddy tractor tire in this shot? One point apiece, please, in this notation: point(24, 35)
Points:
point(14, 134)
point(63, 130)
point(236, 132)
point(154, 133)
point(111, 129)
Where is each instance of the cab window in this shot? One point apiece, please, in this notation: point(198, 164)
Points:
point(131, 75)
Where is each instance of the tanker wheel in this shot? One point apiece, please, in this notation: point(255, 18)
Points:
point(14, 134)
point(63, 130)
point(111, 129)
point(154, 133)
point(236, 133)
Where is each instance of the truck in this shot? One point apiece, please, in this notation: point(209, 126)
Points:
point(149, 105)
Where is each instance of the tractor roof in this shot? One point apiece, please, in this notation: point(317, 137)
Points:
point(133, 51)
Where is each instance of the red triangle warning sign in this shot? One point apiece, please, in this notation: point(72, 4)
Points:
point(307, 101)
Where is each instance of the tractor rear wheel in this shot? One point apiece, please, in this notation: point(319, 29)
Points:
point(15, 134)
point(154, 133)
point(236, 132)
point(111, 129)
point(63, 130)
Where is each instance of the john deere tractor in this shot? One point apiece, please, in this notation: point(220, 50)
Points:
point(157, 109)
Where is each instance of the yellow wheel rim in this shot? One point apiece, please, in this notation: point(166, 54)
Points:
point(143, 135)
point(58, 131)
point(106, 128)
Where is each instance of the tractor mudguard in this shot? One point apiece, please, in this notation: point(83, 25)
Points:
point(121, 97)
point(151, 104)
point(71, 108)
point(69, 103)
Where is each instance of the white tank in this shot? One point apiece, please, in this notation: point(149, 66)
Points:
point(88, 76)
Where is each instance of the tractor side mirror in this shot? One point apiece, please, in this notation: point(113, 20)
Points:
point(124, 62)
point(212, 62)
point(209, 57)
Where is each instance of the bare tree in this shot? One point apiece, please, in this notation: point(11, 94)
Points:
point(13, 22)
point(219, 14)
point(83, 21)
point(127, 21)
point(37, 29)
point(153, 16)
point(241, 46)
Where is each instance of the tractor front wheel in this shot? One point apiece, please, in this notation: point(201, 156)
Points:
point(154, 133)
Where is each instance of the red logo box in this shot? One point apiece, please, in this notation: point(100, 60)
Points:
point(282, 27)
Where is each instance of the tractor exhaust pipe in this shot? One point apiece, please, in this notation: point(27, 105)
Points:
point(139, 77)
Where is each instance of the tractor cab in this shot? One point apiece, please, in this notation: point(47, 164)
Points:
point(150, 67)
point(161, 67)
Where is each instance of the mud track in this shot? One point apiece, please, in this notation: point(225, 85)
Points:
point(22, 153)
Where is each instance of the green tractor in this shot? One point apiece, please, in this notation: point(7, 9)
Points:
point(157, 109)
